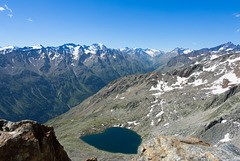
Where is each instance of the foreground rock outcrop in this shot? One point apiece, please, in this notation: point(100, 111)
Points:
point(29, 141)
point(171, 148)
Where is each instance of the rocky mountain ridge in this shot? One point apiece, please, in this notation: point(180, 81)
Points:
point(197, 56)
point(28, 140)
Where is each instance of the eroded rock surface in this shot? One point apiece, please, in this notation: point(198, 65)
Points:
point(29, 141)
point(171, 148)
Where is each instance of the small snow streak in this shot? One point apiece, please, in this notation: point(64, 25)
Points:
point(226, 138)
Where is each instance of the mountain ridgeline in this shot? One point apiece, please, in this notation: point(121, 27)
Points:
point(40, 83)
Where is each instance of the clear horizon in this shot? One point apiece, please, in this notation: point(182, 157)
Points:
point(120, 23)
point(103, 44)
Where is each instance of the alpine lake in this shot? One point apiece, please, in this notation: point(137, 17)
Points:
point(115, 140)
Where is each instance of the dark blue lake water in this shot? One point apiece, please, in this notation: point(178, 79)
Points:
point(115, 140)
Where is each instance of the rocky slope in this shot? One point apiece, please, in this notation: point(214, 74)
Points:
point(200, 100)
point(171, 148)
point(29, 141)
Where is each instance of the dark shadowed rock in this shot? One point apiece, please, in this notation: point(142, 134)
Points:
point(29, 141)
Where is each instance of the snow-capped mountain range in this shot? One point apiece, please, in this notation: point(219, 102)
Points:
point(77, 50)
point(74, 72)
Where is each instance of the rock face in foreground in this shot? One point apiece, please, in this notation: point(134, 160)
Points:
point(29, 141)
point(171, 148)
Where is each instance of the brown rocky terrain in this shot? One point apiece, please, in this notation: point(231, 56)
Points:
point(172, 148)
point(29, 141)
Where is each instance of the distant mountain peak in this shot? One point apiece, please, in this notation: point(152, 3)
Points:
point(8, 48)
point(39, 46)
point(98, 46)
point(179, 51)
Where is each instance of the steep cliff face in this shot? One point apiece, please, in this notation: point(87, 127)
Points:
point(29, 141)
point(171, 148)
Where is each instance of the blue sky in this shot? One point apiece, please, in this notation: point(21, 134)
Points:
point(157, 24)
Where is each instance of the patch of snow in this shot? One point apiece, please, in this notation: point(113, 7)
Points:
point(55, 56)
point(152, 123)
point(163, 87)
point(210, 69)
point(226, 138)
point(198, 82)
point(133, 122)
point(165, 125)
point(153, 105)
point(151, 110)
point(160, 114)
point(213, 52)
point(7, 48)
point(180, 81)
point(223, 121)
point(233, 60)
point(214, 57)
point(187, 51)
point(191, 58)
point(219, 90)
point(217, 85)
point(36, 47)
point(102, 55)
point(90, 51)
point(152, 52)
point(222, 48)
point(75, 52)
point(196, 63)
point(229, 49)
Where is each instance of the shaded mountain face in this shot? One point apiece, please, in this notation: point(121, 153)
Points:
point(199, 100)
point(40, 83)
